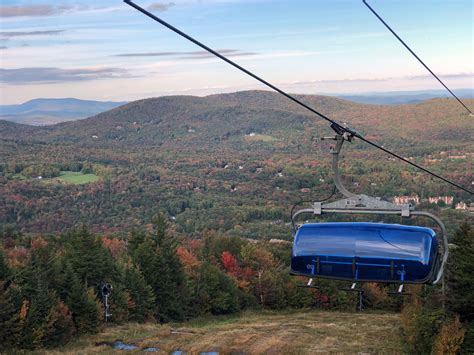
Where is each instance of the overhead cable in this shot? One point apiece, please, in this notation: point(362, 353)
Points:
point(418, 58)
point(334, 124)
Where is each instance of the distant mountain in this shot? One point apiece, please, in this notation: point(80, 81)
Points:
point(405, 97)
point(189, 122)
point(41, 112)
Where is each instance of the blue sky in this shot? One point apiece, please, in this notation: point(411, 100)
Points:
point(105, 50)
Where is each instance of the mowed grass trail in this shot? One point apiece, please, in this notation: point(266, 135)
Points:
point(259, 333)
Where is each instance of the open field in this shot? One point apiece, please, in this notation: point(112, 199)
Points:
point(259, 138)
point(257, 333)
point(76, 178)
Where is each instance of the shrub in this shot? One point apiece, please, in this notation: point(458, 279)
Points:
point(421, 324)
point(60, 327)
point(450, 338)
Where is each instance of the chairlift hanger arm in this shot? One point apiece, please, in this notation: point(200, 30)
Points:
point(334, 125)
point(363, 204)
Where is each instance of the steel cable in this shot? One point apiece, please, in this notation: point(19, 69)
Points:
point(414, 54)
point(335, 125)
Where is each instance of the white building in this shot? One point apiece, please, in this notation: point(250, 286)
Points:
point(446, 199)
point(403, 200)
point(461, 206)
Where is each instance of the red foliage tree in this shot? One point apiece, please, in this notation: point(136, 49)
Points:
point(230, 263)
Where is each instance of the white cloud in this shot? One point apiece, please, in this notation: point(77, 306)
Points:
point(35, 75)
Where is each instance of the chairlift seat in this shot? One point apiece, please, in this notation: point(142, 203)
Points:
point(373, 252)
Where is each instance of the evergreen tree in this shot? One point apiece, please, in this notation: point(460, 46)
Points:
point(163, 271)
point(467, 346)
point(459, 279)
point(134, 241)
point(40, 266)
point(86, 312)
point(5, 272)
point(66, 279)
point(142, 298)
point(460, 282)
point(89, 259)
point(9, 321)
point(119, 303)
point(35, 327)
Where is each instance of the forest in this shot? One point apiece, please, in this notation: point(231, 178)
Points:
point(235, 163)
point(201, 189)
point(51, 286)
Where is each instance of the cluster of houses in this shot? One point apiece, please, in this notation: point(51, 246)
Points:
point(448, 201)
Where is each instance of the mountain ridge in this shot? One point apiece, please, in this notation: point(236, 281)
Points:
point(195, 119)
point(50, 111)
point(43, 111)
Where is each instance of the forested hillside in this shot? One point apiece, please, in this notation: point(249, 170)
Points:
point(234, 162)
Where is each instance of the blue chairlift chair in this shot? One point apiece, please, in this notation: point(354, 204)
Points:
point(367, 252)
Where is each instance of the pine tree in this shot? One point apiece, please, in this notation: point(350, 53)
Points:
point(460, 283)
point(162, 270)
point(118, 302)
point(35, 327)
point(5, 272)
point(65, 281)
point(9, 321)
point(467, 346)
point(86, 312)
point(459, 280)
point(38, 267)
point(89, 259)
point(135, 240)
point(142, 298)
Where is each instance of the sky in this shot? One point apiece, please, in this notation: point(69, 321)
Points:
point(105, 50)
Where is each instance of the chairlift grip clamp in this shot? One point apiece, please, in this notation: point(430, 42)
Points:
point(317, 208)
point(405, 212)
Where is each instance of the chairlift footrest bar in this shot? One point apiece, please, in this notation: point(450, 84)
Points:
point(306, 286)
point(350, 289)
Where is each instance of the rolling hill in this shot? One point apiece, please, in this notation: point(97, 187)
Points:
point(232, 162)
point(195, 120)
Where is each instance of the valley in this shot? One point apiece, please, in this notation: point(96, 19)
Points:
point(232, 162)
